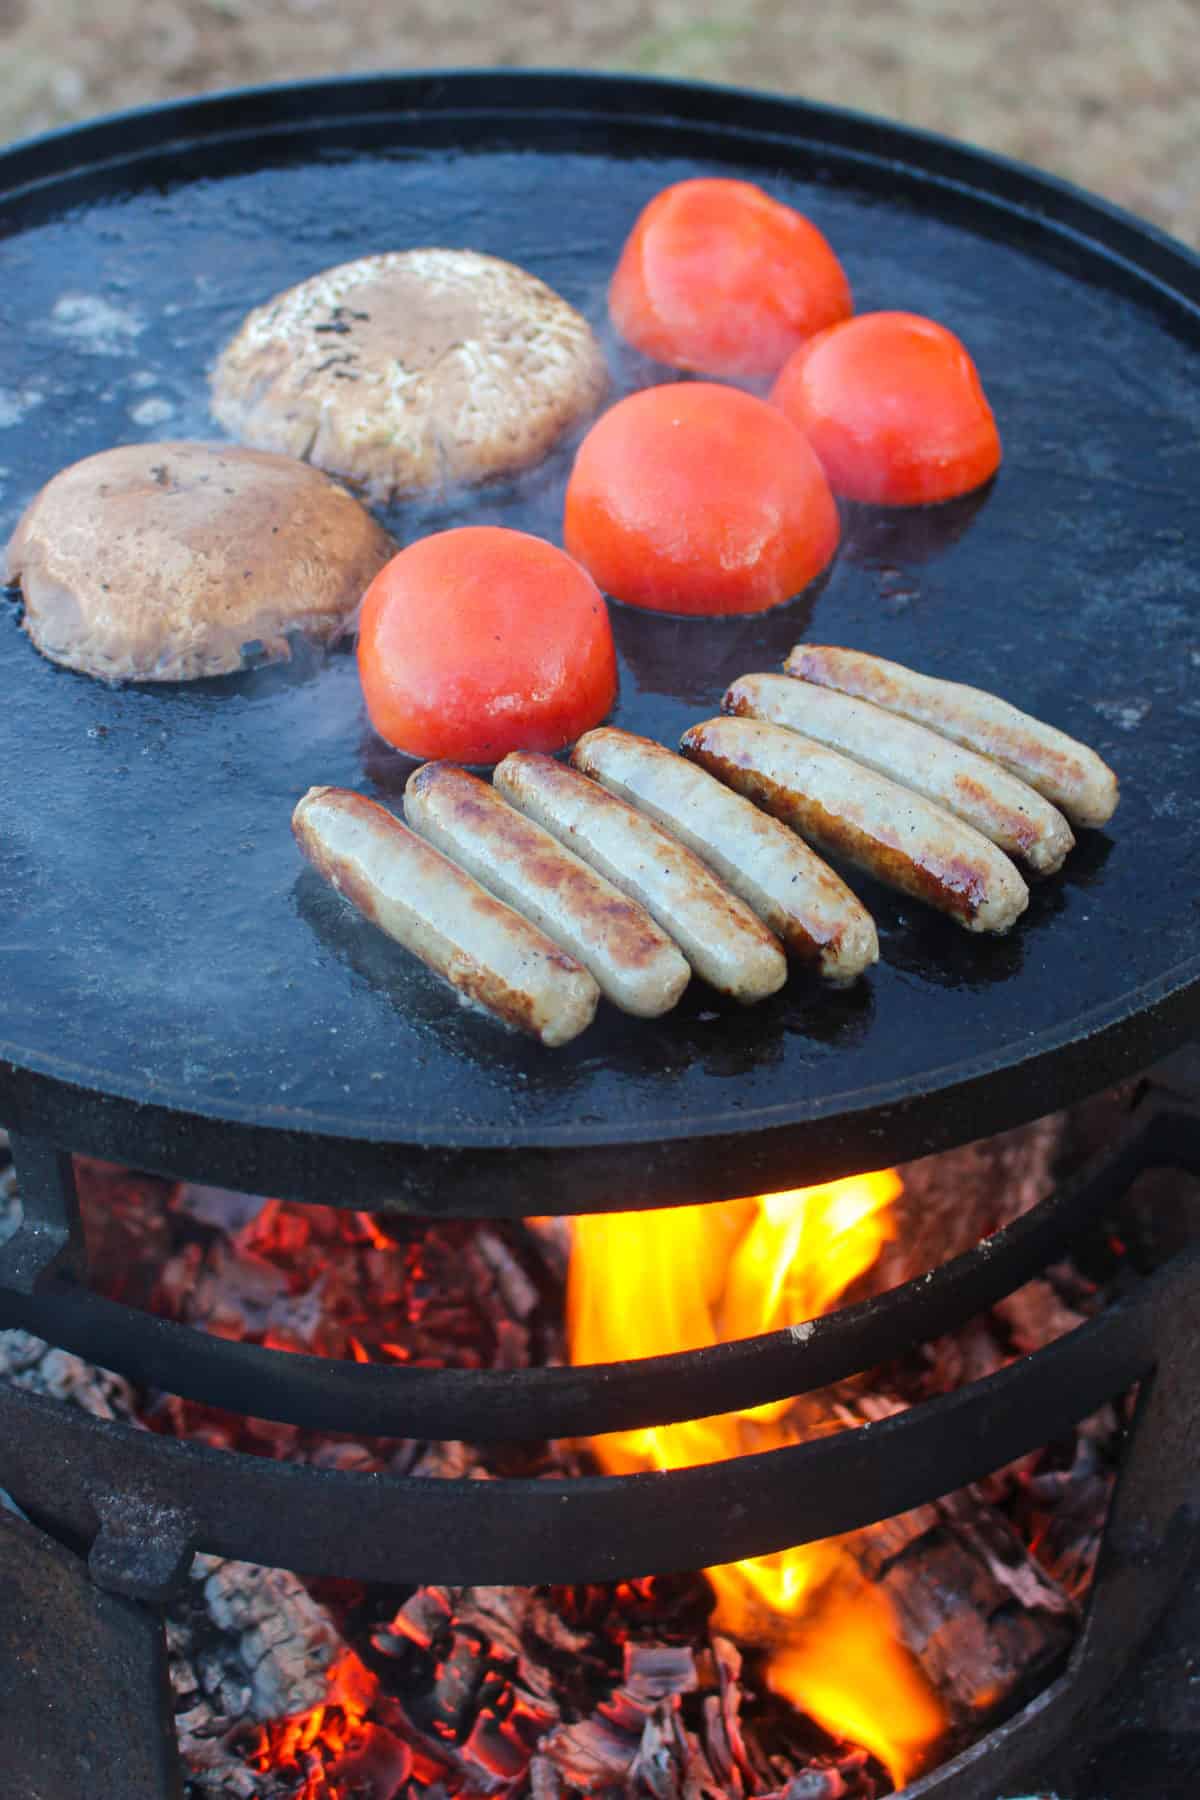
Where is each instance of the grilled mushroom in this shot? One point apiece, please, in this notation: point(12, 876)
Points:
point(169, 561)
point(411, 370)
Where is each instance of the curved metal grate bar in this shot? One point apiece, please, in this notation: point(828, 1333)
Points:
point(484, 1406)
point(72, 1472)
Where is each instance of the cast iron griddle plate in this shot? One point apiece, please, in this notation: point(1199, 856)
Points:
point(176, 987)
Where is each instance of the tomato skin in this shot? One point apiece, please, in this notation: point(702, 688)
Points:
point(893, 406)
point(481, 640)
point(698, 498)
point(719, 278)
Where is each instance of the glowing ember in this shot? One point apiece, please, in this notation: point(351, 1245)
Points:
point(644, 1284)
point(332, 1749)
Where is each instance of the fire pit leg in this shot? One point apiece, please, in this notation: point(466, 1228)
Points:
point(85, 1704)
point(1150, 1537)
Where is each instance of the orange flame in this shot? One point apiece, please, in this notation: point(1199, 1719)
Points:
point(310, 1742)
point(644, 1284)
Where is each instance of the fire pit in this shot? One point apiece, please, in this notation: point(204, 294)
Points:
point(175, 995)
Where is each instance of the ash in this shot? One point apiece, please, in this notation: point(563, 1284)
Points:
point(325, 1690)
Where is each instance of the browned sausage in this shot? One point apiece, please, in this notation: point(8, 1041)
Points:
point(793, 892)
point(635, 963)
point(845, 809)
point(410, 890)
point(720, 936)
point(970, 786)
point(1067, 772)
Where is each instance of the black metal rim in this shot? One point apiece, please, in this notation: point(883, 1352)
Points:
point(588, 1174)
point(249, 112)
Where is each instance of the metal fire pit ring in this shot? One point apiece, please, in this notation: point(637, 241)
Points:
point(505, 1405)
point(144, 1503)
point(175, 993)
point(92, 1478)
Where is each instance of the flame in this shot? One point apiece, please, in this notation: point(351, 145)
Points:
point(644, 1284)
point(312, 1743)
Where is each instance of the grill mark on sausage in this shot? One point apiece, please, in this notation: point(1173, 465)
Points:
point(631, 933)
point(951, 884)
point(1022, 832)
point(1067, 772)
point(813, 925)
point(946, 879)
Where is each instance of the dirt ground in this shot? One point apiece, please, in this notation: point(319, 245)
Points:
point(1105, 93)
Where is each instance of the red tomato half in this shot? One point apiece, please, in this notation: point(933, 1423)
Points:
point(894, 408)
point(718, 277)
point(479, 641)
point(697, 498)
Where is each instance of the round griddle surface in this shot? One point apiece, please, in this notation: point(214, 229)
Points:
point(177, 988)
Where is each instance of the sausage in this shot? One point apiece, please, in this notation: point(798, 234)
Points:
point(794, 893)
point(972, 787)
point(410, 890)
point(720, 936)
point(635, 963)
point(887, 830)
point(1069, 774)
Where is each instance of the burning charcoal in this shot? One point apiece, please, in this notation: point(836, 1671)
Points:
point(698, 1781)
point(497, 1613)
point(126, 1225)
point(654, 1767)
point(285, 1641)
point(654, 1671)
point(729, 1674)
point(512, 1346)
point(974, 1608)
point(449, 1460)
point(228, 1211)
point(952, 1200)
point(517, 1291)
point(237, 1294)
point(344, 1456)
point(422, 1620)
point(545, 1782)
point(553, 1239)
point(548, 1625)
point(591, 1754)
point(456, 1683)
point(624, 1712)
point(1035, 1316)
point(1069, 1510)
point(496, 1748)
point(716, 1743)
point(815, 1784)
point(375, 1763)
point(1004, 1556)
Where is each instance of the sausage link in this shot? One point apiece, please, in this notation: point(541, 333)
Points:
point(1070, 775)
point(892, 833)
point(722, 939)
point(489, 953)
point(794, 893)
point(972, 787)
point(635, 963)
